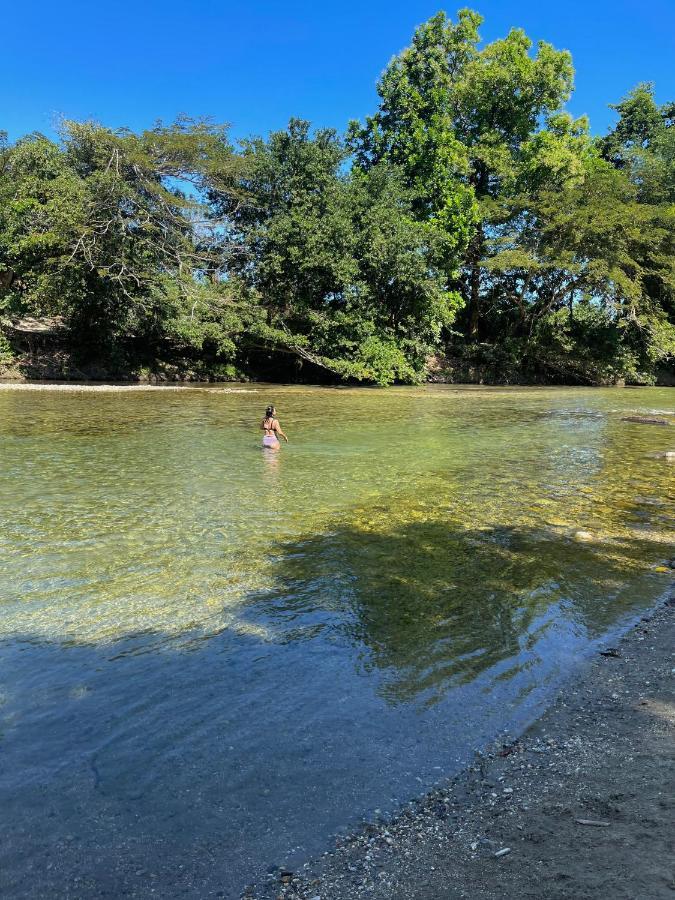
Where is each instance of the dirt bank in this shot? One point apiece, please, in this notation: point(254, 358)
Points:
point(580, 807)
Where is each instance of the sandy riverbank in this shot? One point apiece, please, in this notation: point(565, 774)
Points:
point(581, 806)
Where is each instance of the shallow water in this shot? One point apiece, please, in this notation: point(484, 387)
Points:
point(214, 657)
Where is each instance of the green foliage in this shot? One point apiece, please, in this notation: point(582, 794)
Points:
point(586, 346)
point(469, 216)
point(464, 125)
point(94, 229)
point(414, 128)
point(7, 355)
point(42, 209)
point(348, 277)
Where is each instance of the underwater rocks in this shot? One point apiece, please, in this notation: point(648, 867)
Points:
point(645, 420)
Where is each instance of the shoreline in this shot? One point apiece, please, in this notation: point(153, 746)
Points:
point(578, 806)
point(72, 387)
point(15, 381)
point(255, 387)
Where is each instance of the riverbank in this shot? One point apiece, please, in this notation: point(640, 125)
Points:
point(580, 806)
point(118, 388)
point(47, 367)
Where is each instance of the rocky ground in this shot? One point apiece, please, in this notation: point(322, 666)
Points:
point(581, 806)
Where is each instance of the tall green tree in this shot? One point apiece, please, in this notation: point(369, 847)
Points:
point(415, 127)
point(460, 121)
point(642, 145)
point(42, 210)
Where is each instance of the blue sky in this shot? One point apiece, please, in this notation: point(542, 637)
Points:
point(255, 64)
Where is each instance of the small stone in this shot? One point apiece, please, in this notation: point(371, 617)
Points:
point(502, 852)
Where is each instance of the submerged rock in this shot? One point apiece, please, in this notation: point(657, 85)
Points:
point(645, 420)
point(583, 536)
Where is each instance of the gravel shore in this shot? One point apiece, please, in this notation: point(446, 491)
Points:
point(580, 806)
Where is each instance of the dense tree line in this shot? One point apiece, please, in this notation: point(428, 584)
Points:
point(470, 226)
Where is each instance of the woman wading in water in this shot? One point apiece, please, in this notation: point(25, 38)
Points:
point(270, 425)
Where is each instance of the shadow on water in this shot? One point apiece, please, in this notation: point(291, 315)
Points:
point(186, 764)
point(435, 605)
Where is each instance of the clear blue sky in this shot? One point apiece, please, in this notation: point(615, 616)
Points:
point(257, 63)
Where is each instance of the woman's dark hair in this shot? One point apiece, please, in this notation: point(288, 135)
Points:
point(269, 412)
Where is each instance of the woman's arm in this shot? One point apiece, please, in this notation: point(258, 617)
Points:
point(277, 428)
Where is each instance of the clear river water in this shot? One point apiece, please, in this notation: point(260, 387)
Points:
point(214, 658)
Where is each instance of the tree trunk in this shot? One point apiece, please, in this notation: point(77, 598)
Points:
point(475, 253)
point(6, 279)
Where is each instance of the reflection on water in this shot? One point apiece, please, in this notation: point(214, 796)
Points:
point(213, 654)
point(436, 603)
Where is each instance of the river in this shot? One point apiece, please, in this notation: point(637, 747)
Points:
point(214, 658)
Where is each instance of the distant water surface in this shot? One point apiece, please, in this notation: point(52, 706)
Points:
point(213, 658)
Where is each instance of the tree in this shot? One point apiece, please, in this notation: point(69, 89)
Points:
point(639, 125)
point(460, 121)
point(415, 128)
point(588, 247)
point(42, 207)
point(642, 145)
point(349, 279)
point(100, 228)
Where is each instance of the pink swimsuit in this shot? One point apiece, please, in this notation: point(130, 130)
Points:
point(270, 439)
